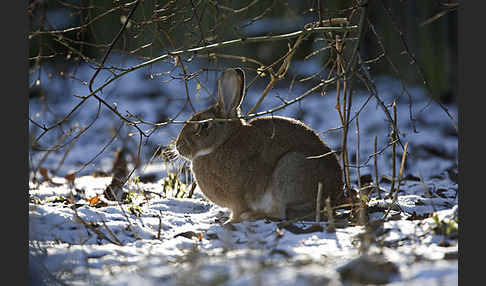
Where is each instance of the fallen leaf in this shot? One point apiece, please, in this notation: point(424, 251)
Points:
point(93, 200)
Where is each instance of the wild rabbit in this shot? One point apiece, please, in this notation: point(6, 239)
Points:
point(260, 168)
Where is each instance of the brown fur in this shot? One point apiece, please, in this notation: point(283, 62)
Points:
point(260, 168)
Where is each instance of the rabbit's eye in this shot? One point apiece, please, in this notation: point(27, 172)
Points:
point(202, 126)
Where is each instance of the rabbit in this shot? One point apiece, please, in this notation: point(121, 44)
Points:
point(260, 168)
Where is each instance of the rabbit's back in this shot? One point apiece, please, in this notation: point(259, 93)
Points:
point(282, 134)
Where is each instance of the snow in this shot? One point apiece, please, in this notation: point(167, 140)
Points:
point(182, 241)
point(252, 252)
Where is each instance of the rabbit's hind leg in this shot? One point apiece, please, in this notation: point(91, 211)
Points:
point(294, 185)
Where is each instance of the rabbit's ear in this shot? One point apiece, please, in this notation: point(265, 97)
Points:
point(231, 89)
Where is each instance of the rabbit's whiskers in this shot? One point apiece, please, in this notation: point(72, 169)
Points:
point(170, 153)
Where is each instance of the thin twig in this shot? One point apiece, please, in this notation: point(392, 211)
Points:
point(402, 166)
point(102, 149)
point(322, 156)
point(47, 152)
point(330, 217)
point(160, 225)
point(357, 154)
point(110, 232)
point(377, 180)
point(318, 202)
point(394, 150)
point(129, 226)
point(235, 11)
point(427, 191)
point(397, 72)
point(280, 73)
point(372, 89)
point(61, 162)
point(351, 63)
point(93, 229)
point(42, 32)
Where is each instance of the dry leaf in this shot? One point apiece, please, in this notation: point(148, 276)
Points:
point(93, 200)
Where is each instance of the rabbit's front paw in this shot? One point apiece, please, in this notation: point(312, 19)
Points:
point(245, 216)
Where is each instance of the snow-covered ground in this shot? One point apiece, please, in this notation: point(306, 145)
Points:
point(159, 239)
point(182, 241)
